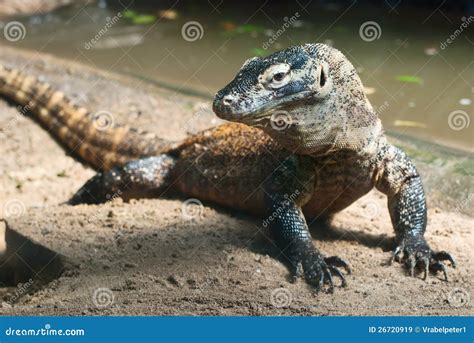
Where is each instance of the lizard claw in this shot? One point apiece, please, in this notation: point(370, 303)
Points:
point(319, 270)
point(414, 252)
point(336, 261)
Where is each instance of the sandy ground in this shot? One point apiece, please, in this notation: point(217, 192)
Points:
point(147, 258)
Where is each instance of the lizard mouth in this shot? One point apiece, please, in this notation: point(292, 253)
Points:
point(262, 112)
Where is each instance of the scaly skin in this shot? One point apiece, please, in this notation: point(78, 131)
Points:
point(306, 144)
point(82, 133)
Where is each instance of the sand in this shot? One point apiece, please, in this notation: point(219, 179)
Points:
point(148, 258)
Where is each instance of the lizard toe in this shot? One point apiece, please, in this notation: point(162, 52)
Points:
point(319, 271)
point(436, 264)
point(416, 254)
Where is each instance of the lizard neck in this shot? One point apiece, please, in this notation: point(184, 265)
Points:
point(342, 119)
point(346, 123)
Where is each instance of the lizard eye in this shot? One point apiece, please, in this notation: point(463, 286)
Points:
point(280, 79)
point(276, 76)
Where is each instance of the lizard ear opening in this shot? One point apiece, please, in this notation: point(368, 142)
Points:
point(324, 82)
point(322, 77)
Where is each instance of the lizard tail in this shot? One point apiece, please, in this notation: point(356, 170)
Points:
point(91, 137)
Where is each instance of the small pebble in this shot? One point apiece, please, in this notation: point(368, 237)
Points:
point(173, 280)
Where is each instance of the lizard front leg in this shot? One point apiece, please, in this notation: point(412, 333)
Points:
point(407, 207)
point(285, 191)
point(136, 179)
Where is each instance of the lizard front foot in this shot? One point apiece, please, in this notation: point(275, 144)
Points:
point(319, 270)
point(414, 252)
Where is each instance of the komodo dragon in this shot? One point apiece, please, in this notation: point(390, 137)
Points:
point(306, 143)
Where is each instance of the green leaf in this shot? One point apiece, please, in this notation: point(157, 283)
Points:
point(409, 123)
point(248, 28)
point(139, 19)
point(410, 79)
point(144, 19)
point(129, 14)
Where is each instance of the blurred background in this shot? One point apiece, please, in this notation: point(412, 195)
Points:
point(149, 257)
point(414, 57)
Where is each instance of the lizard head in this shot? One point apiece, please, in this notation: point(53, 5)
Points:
point(309, 98)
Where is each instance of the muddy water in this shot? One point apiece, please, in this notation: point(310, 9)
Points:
point(422, 85)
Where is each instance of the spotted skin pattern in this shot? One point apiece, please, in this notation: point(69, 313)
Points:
point(330, 152)
point(329, 119)
point(143, 178)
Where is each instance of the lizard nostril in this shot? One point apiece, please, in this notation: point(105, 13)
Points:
point(227, 100)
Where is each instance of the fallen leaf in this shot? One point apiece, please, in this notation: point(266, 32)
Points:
point(369, 90)
point(410, 79)
point(249, 28)
point(120, 41)
point(168, 14)
point(144, 19)
point(228, 26)
point(129, 13)
point(139, 19)
point(409, 123)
